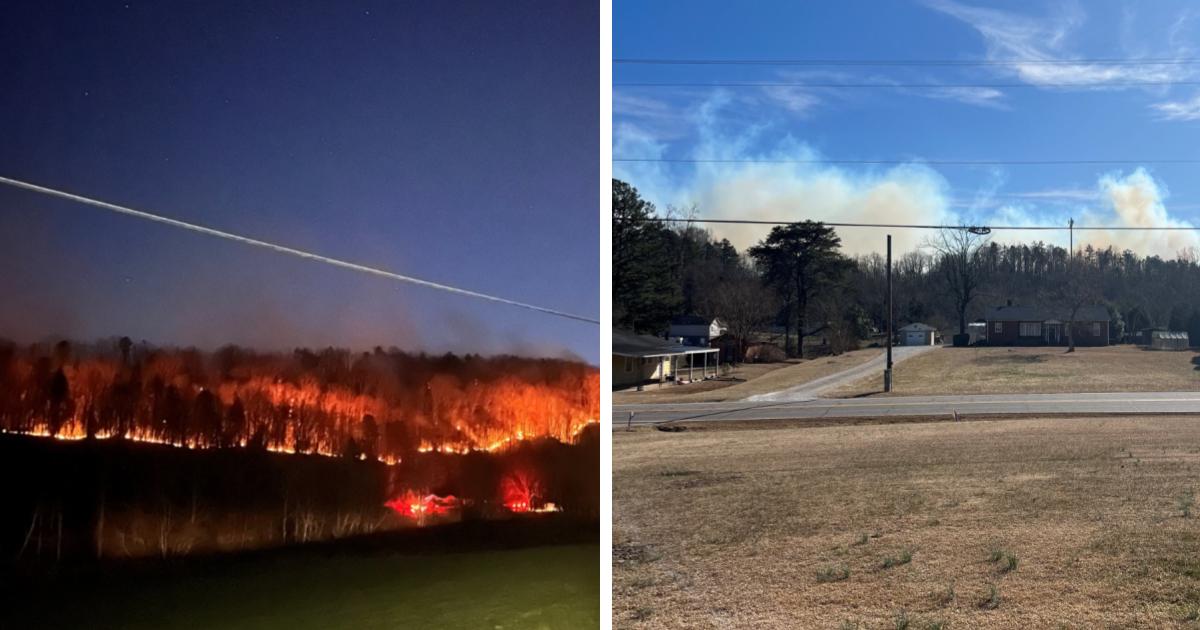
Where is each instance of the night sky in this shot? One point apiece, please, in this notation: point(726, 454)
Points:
point(456, 142)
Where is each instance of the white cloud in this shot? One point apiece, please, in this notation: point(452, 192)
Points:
point(1179, 110)
point(979, 96)
point(1011, 37)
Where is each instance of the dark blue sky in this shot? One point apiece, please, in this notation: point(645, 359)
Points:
point(456, 142)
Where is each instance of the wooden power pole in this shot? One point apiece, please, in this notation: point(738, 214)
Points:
point(887, 371)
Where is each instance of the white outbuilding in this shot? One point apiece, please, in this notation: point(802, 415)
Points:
point(917, 334)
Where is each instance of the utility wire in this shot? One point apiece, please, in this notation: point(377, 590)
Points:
point(940, 86)
point(907, 62)
point(926, 227)
point(283, 249)
point(935, 162)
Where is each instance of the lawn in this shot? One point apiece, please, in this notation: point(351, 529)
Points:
point(749, 380)
point(983, 370)
point(1063, 523)
point(542, 588)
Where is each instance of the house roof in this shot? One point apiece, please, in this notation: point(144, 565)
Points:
point(917, 327)
point(628, 344)
point(1094, 313)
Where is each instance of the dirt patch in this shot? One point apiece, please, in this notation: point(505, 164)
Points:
point(983, 370)
point(1002, 524)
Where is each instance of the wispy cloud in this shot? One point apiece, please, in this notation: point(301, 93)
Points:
point(1058, 194)
point(1042, 44)
point(665, 119)
point(793, 99)
point(1179, 110)
point(980, 97)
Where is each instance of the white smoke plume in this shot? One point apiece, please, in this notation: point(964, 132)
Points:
point(910, 194)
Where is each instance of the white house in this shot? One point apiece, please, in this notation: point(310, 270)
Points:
point(693, 330)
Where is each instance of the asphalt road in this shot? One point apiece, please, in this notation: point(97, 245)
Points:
point(1025, 404)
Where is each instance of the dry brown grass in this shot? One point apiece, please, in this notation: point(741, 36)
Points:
point(748, 380)
point(1037, 371)
point(756, 529)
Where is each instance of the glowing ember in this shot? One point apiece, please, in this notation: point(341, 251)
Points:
point(412, 505)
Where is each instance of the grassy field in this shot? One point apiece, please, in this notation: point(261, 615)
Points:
point(748, 380)
point(985, 370)
point(540, 588)
point(1063, 523)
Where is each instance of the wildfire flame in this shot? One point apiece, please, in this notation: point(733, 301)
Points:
point(369, 408)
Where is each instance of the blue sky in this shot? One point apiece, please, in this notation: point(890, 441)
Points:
point(1101, 120)
point(455, 142)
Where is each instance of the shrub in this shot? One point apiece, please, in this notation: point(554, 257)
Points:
point(992, 601)
point(833, 574)
point(894, 561)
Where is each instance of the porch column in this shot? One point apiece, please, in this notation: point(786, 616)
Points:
point(706, 366)
point(662, 373)
point(691, 363)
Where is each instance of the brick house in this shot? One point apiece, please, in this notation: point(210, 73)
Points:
point(1032, 326)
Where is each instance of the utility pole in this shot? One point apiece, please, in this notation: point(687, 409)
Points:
point(887, 372)
point(1071, 230)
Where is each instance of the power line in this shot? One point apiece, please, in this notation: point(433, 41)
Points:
point(908, 62)
point(283, 249)
point(940, 86)
point(935, 162)
point(913, 226)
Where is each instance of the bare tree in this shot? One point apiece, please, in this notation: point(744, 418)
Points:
point(744, 305)
point(1077, 286)
point(957, 251)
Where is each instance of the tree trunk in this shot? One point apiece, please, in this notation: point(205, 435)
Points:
point(787, 331)
point(801, 306)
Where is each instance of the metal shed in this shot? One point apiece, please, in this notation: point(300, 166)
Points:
point(1169, 340)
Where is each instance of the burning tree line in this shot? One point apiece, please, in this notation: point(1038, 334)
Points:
point(379, 405)
point(168, 451)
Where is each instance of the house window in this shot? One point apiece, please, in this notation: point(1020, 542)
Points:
point(998, 327)
point(628, 364)
point(1031, 329)
point(1096, 329)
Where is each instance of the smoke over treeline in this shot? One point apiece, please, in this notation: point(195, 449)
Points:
point(664, 270)
point(786, 181)
point(381, 404)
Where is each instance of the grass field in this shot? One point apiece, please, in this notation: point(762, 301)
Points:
point(539, 588)
point(983, 370)
point(1063, 523)
point(749, 380)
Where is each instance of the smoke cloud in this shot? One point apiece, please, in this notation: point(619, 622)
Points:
point(912, 193)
